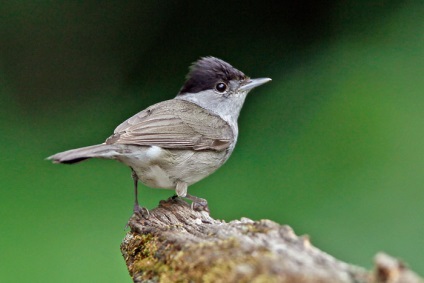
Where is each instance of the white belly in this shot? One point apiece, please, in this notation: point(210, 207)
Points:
point(156, 177)
point(159, 168)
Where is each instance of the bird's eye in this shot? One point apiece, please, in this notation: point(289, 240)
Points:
point(221, 87)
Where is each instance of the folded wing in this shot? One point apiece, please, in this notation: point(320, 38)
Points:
point(174, 124)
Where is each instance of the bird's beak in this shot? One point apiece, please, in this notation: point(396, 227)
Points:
point(252, 83)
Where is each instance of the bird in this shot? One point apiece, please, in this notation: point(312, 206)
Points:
point(178, 142)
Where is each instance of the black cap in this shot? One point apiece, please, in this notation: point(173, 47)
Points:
point(208, 71)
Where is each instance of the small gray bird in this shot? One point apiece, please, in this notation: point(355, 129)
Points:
point(178, 142)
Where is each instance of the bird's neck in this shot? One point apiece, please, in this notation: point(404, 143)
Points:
point(228, 108)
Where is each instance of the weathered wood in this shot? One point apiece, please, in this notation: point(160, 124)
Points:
point(176, 244)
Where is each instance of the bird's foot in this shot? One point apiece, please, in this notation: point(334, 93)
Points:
point(198, 204)
point(141, 212)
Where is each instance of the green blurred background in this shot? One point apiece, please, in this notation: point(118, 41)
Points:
point(333, 146)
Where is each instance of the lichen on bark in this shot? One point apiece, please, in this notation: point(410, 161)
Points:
point(177, 244)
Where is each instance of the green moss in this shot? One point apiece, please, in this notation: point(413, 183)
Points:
point(198, 262)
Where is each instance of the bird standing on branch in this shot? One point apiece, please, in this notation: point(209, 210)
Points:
point(178, 142)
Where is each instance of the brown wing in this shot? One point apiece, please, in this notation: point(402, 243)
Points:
point(174, 124)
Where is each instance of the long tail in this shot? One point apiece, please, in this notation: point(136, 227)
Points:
point(83, 153)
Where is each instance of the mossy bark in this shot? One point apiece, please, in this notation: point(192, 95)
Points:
point(176, 244)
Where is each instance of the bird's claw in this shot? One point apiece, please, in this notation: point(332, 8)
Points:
point(141, 212)
point(201, 205)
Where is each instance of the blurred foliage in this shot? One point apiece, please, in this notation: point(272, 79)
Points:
point(333, 146)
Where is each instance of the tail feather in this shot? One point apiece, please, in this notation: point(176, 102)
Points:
point(79, 154)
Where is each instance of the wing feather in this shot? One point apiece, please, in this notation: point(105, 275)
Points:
point(176, 124)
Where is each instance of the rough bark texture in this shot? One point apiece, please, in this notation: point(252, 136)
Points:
point(176, 244)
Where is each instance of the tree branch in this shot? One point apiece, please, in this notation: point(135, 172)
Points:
point(176, 244)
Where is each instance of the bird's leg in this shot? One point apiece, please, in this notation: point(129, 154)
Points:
point(197, 204)
point(140, 211)
point(181, 189)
